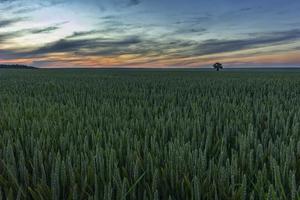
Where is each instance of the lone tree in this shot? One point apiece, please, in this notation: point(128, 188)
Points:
point(218, 66)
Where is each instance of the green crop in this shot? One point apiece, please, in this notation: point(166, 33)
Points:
point(130, 134)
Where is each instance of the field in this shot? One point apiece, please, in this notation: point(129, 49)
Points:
point(149, 134)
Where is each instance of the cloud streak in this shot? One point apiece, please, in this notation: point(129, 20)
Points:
point(260, 40)
point(85, 45)
point(9, 22)
point(5, 37)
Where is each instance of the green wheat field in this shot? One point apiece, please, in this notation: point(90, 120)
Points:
point(149, 134)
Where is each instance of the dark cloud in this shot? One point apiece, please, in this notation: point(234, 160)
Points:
point(259, 40)
point(297, 48)
point(6, 36)
point(48, 29)
point(186, 31)
point(85, 45)
point(134, 2)
point(10, 54)
point(44, 30)
point(9, 22)
point(82, 34)
point(190, 48)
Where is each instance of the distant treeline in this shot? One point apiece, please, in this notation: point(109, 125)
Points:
point(2, 66)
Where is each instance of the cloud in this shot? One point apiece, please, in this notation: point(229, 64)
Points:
point(6, 36)
point(9, 22)
point(48, 29)
point(195, 20)
point(85, 45)
point(24, 10)
point(184, 31)
point(20, 7)
point(79, 34)
point(134, 2)
point(44, 30)
point(257, 40)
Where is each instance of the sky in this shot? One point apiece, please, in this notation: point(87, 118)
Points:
point(150, 33)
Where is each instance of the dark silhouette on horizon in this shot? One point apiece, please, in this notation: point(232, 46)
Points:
point(16, 66)
point(218, 66)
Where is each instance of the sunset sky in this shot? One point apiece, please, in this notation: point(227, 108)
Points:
point(150, 33)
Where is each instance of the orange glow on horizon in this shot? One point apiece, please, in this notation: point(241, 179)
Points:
point(69, 60)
